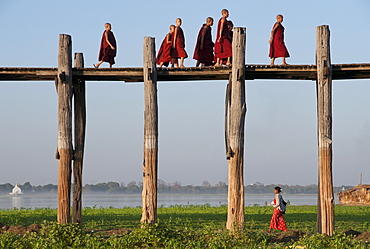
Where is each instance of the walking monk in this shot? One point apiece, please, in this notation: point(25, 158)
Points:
point(164, 53)
point(203, 52)
point(277, 45)
point(108, 47)
point(178, 45)
point(223, 49)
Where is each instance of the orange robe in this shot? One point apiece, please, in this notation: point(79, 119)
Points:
point(277, 47)
point(164, 53)
point(223, 47)
point(179, 50)
point(204, 47)
point(106, 53)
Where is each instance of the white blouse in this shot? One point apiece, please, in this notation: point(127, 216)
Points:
point(278, 202)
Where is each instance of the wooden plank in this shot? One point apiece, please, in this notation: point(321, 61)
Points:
point(64, 87)
point(325, 206)
point(79, 141)
point(292, 72)
point(150, 163)
point(235, 210)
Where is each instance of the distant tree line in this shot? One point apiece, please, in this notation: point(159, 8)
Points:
point(176, 187)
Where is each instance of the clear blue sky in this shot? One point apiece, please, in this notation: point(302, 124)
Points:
point(281, 130)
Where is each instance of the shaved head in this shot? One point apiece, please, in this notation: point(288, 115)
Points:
point(209, 19)
point(279, 16)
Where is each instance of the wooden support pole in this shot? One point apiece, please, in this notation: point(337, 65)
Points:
point(65, 149)
point(325, 203)
point(226, 117)
point(235, 213)
point(150, 164)
point(79, 140)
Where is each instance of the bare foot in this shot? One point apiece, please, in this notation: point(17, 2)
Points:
point(285, 64)
point(228, 64)
point(95, 66)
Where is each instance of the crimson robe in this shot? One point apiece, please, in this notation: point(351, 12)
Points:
point(106, 53)
point(223, 47)
point(277, 47)
point(204, 47)
point(164, 53)
point(179, 50)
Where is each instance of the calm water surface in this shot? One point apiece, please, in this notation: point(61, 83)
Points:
point(117, 201)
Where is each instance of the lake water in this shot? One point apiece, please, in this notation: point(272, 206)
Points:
point(118, 201)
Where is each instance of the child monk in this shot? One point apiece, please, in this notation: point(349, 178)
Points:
point(223, 49)
point(108, 47)
point(164, 53)
point(178, 45)
point(203, 52)
point(277, 45)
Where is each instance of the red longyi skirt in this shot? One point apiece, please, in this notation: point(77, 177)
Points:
point(277, 220)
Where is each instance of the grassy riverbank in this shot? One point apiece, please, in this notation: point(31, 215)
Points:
point(179, 227)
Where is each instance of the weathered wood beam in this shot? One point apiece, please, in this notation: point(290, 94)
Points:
point(226, 118)
point(150, 164)
point(290, 72)
point(79, 140)
point(325, 204)
point(65, 149)
point(235, 212)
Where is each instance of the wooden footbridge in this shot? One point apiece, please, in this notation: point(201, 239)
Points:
point(252, 72)
point(70, 85)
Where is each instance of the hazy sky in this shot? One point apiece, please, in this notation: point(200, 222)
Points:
point(281, 128)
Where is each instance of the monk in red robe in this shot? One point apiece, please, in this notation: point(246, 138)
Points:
point(223, 49)
point(277, 45)
point(230, 26)
point(164, 53)
point(108, 47)
point(203, 52)
point(178, 45)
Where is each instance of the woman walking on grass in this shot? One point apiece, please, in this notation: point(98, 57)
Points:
point(277, 220)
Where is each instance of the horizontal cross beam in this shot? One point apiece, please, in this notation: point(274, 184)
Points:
point(253, 72)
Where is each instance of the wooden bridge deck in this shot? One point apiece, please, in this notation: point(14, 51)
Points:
point(293, 72)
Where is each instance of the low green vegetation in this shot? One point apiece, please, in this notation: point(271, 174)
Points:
point(181, 227)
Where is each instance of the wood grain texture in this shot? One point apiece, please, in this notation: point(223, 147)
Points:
point(150, 163)
point(79, 92)
point(65, 148)
point(235, 214)
point(325, 204)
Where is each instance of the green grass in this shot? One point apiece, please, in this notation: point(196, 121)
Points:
point(180, 227)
